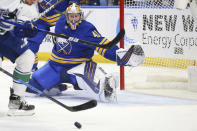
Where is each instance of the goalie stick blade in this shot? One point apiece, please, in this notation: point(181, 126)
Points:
point(85, 106)
point(115, 40)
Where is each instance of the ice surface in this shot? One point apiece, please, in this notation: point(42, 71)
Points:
point(133, 112)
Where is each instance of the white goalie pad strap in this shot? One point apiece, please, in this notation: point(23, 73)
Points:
point(181, 4)
point(24, 62)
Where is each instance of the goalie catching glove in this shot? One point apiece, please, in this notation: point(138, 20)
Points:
point(132, 56)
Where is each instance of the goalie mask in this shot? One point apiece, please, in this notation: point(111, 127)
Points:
point(74, 16)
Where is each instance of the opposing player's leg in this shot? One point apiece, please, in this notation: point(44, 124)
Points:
point(15, 50)
point(17, 104)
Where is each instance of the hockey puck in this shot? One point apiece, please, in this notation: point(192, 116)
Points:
point(77, 124)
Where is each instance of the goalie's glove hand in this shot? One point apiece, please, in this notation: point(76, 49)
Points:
point(132, 56)
point(28, 30)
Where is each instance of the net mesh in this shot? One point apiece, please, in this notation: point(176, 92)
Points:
point(149, 3)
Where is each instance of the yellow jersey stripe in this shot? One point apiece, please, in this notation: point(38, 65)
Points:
point(61, 60)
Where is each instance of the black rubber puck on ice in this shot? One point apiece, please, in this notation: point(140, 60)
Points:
point(77, 124)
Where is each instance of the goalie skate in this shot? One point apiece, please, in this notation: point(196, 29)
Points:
point(19, 107)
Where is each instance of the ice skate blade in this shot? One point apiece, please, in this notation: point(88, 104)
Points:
point(15, 112)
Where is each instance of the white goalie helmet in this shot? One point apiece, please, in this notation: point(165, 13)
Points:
point(74, 21)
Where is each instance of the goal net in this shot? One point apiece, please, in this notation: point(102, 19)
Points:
point(168, 37)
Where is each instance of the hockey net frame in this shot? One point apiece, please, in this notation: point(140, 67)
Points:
point(151, 61)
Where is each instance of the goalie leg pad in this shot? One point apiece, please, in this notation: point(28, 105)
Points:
point(47, 76)
point(93, 79)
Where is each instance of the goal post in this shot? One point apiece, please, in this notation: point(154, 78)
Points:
point(122, 80)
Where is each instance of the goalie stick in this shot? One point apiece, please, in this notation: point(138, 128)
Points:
point(84, 106)
point(109, 45)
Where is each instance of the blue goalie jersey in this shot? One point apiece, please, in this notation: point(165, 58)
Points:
point(68, 52)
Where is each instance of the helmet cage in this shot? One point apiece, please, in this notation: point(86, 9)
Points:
point(73, 9)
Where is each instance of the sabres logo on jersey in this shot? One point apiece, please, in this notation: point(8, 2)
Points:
point(63, 45)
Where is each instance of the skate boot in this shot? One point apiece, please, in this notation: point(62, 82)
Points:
point(19, 107)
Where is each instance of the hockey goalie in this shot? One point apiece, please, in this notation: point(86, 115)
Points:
point(71, 62)
point(88, 77)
